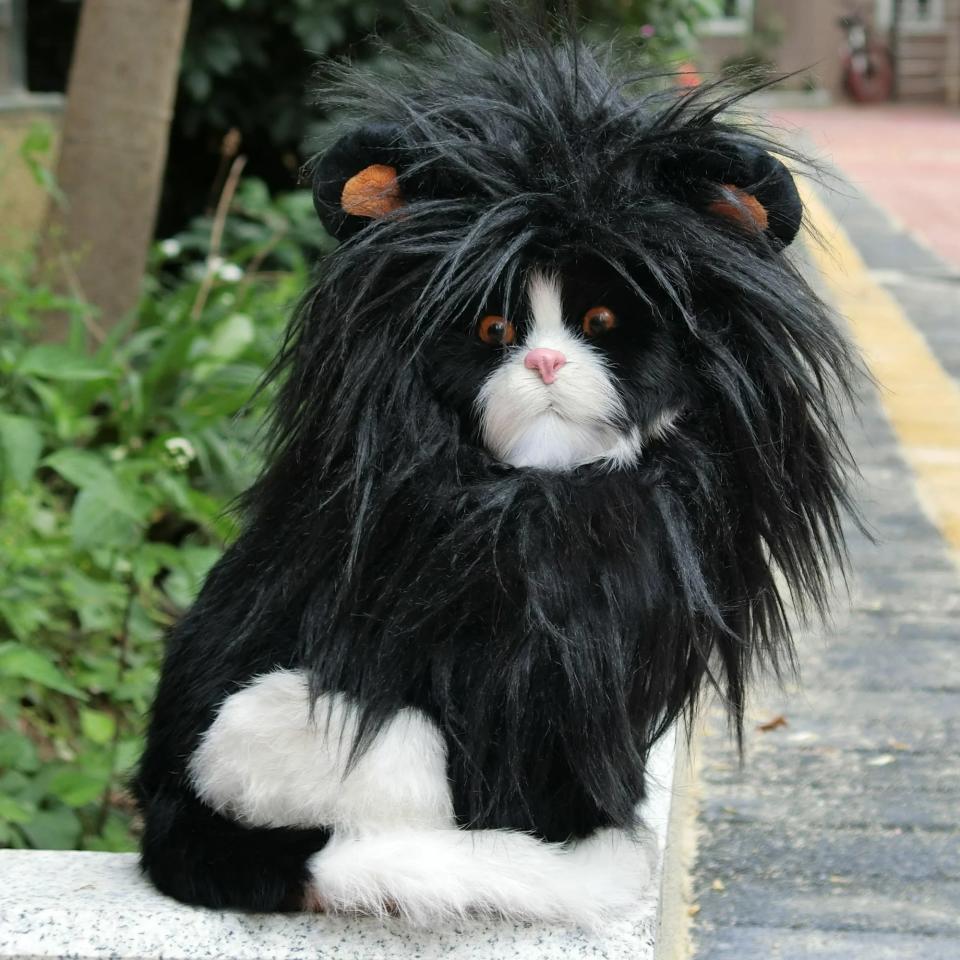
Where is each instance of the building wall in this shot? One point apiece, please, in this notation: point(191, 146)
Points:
point(810, 37)
point(8, 59)
point(715, 51)
point(810, 42)
point(921, 67)
point(952, 53)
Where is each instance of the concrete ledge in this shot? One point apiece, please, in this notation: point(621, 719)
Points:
point(23, 102)
point(92, 906)
point(780, 99)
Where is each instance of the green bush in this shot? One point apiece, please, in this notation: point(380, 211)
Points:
point(117, 466)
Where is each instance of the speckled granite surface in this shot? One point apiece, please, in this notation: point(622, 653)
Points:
point(96, 905)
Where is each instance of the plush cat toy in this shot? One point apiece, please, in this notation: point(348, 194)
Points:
point(555, 445)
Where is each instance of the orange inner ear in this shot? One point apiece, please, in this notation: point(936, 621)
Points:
point(742, 207)
point(373, 192)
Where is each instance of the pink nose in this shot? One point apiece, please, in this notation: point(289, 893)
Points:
point(546, 362)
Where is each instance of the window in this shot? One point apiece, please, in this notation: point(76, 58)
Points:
point(736, 17)
point(916, 16)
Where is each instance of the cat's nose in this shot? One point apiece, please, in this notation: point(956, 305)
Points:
point(546, 362)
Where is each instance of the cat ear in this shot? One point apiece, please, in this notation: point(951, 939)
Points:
point(357, 179)
point(755, 190)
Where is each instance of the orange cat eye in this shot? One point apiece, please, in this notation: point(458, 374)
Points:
point(598, 320)
point(496, 330)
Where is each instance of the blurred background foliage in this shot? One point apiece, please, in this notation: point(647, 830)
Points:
point(121, 451)
point(248, 67)
point(119, 457)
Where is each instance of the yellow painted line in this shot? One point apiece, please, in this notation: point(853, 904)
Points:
point(921, 399)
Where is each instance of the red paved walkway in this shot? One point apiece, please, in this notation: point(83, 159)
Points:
point(907, 159)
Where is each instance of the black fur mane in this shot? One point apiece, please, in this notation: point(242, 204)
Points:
point(554, 624)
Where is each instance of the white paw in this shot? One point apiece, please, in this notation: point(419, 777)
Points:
point(267, 761)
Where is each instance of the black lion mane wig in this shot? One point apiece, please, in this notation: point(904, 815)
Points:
point(551, 623)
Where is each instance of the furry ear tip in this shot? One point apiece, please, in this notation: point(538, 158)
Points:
point(758, 193)
point(742, 180)
point(741, 207)
point(374, 192)
point(355, 179)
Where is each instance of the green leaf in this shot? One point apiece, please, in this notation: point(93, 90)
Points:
point(198, 83)
point(17, 752)
point(17, 660)
point(150, 559)
point(24, 614)
point(15, 811)
point(15, 783)
point(101, 518)
point(98, 725)
point(231, 337)
point(57, 829)
point(115, 836)
point(197, 561)
point(21, 444)
point(128, 753)
point(53, 361)
point(61, 412)
point(99, 604)
point(81, 467)
point(76, 788)
point(34, 152)
point(184, 582)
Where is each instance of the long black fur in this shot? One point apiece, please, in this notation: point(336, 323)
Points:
point(552, 624)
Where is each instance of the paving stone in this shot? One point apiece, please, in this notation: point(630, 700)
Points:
point(740, 942)
point(936, 304)
point(905, 157)
point(868, 719)
point(928, 665)
point(836, 789)
point(838, 834)
point(883, 244)
point(923, 909)
point(905, 628)
point(801, 852)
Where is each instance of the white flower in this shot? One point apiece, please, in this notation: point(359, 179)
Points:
point(170, 248)
point(230, 272)
point(181, 451)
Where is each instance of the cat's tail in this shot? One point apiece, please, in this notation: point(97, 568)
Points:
point(428, 876)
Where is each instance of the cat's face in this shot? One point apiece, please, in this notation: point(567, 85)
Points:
point(579, 368)
point(606, 231)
